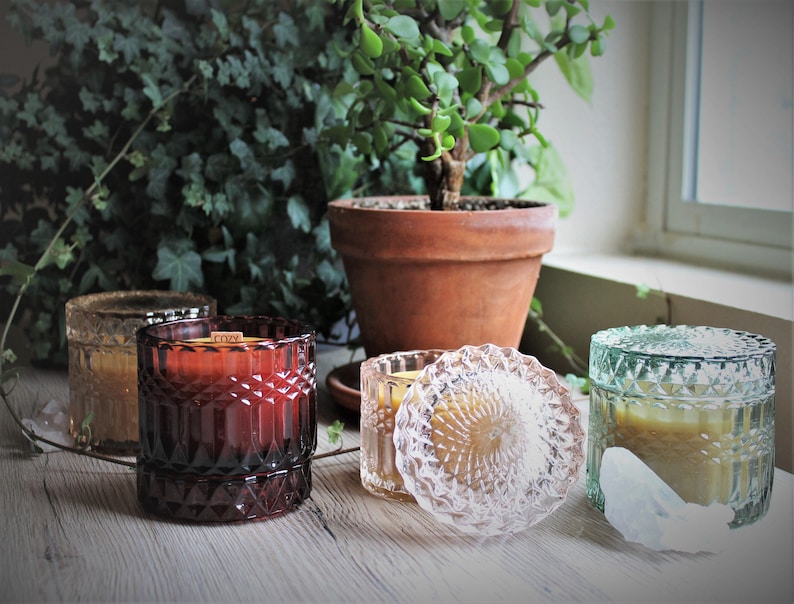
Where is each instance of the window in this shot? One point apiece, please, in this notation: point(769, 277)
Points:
point(721, 156)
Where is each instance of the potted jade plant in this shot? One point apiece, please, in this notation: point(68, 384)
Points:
point(451, 81)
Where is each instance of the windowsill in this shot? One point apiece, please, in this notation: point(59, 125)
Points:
point(755, 294)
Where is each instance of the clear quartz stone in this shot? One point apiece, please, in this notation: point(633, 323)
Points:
point(647, 511)
point(51, 422)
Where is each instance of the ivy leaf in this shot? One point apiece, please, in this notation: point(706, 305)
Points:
point(536, 307)
point(221, 23)
point(552, 182)
point(331, 276)
point(298, 212)
point(284, 70)
point(577, 72)
point(576, 381)
point(89, 100)
point(219, 256)
point(285, 174)
point(335, 431)
point(106, 52)
point(322, 236)
point(182, 268)
point(285, 31)
point(643, 289)
point(271, 137)
point(18, 271)
point(242, 152)
point(128, 46)
point(78, 35)
point(151, 90)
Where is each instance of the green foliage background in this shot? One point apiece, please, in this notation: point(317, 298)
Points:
point(222, 193)
point(225, 189)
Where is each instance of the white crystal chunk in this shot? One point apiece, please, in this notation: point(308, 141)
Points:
point(647, 511)
point(52, 423)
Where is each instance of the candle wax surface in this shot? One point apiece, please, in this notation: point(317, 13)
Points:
point(398, 392)
point(209, 340)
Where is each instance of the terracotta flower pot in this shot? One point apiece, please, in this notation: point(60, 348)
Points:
point(421, 279)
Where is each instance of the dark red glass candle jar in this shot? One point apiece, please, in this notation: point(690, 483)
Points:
point(227, 415)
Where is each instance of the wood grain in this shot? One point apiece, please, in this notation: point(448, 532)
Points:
point(72, 530)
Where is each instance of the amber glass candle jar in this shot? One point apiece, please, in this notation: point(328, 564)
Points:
point(228, 419)
point(103, 373)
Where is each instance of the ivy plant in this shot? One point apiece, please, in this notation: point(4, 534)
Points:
point(221, 191)
point(452, 79)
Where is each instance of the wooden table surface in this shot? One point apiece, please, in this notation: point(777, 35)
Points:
point(72, 529)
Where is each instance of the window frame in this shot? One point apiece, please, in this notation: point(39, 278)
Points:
point(744, 239)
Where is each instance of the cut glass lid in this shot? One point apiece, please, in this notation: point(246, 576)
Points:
point(685, 361)
point(488, 440)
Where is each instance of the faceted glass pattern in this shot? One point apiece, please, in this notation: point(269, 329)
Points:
point(696, 404)
point(488, 440)
point(381, 394)
point(227, 430)
point(103, 372)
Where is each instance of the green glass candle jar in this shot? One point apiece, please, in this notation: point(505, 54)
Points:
point(696, 404)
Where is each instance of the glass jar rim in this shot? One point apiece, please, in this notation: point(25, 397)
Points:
point(137, 303)
point(184, 332)
point(376, 364)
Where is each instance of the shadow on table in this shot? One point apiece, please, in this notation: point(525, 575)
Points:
point(574, 520)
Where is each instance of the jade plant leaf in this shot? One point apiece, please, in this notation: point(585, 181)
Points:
point(483, 137)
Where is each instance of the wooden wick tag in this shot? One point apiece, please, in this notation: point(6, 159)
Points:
point(226, 337)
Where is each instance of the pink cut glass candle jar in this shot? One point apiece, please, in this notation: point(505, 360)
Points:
point(228, 419)
point(103, 372)
point(384, 381)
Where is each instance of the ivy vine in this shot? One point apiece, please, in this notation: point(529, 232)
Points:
point(224, 192)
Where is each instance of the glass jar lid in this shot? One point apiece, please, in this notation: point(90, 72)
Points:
point(488, 440)
point(684, 361)
point(113, 318)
